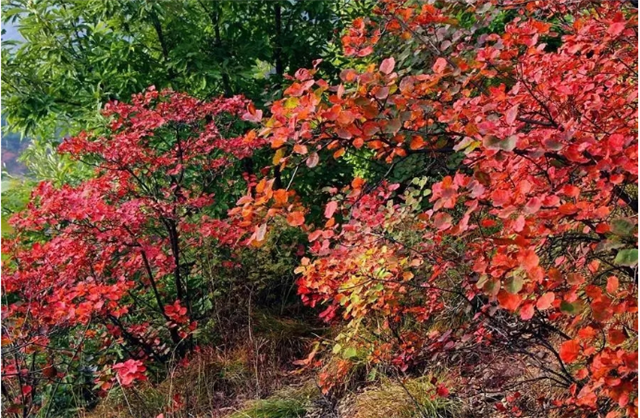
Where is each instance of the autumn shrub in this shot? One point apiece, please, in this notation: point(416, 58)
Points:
point(106, 273)
point(491, 233)
point(528, 115)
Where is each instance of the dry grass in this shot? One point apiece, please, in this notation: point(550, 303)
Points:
point(413, 398)
point(217, 382)
point(209, 385)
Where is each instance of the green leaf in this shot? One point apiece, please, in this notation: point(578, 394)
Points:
point(492, 286)
point(569, 308)
point(514, 284)
point(482, 281)
point(623, 226)
point(350, 352)
point(508, 144)
point(627, 257)
point(393, 126)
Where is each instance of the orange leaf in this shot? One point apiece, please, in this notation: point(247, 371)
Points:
point(300, 149)
point(345, 118)
point(277, 142)
point(416, 142)
point(349, 75)
point(307, 360)
point(295, 218)
point(281, 196)
point(568, 209)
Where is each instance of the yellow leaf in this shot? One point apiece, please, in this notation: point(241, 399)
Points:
point(278, 156)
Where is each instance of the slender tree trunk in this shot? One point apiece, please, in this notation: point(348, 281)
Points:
point(216, 15)
point(157, 25)
point(277, 47)
point(277, 56)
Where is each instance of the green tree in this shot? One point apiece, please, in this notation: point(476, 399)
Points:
point(79, 54)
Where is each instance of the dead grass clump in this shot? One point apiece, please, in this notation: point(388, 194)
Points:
point(413, 398)
point(213, 383)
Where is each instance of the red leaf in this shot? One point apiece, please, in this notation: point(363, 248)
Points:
point(545, 301)
point(616, 28)
point(616, 336)
point(569, 351)
point(330, 209)
point(527, 311)
point(529, 259)
point(511, 114)
point(313, 160)
point(442, 221)
point(365, 51)
point(314, 235)
point(442, 391)
point(439, 65)
point(386, 67)
point(508, 300)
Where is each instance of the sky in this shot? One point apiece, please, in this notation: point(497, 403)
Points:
point(11, 32)
point(10, 151)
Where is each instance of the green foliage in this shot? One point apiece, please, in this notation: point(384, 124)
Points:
point(15, 195)
point(627, 257)
point(289, 403)
point(79, 55)
point(274, 408)
point(45, 163)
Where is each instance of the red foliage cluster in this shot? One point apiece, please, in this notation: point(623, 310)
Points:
point(543, 201)
point(107, 256)
point(529, 243)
